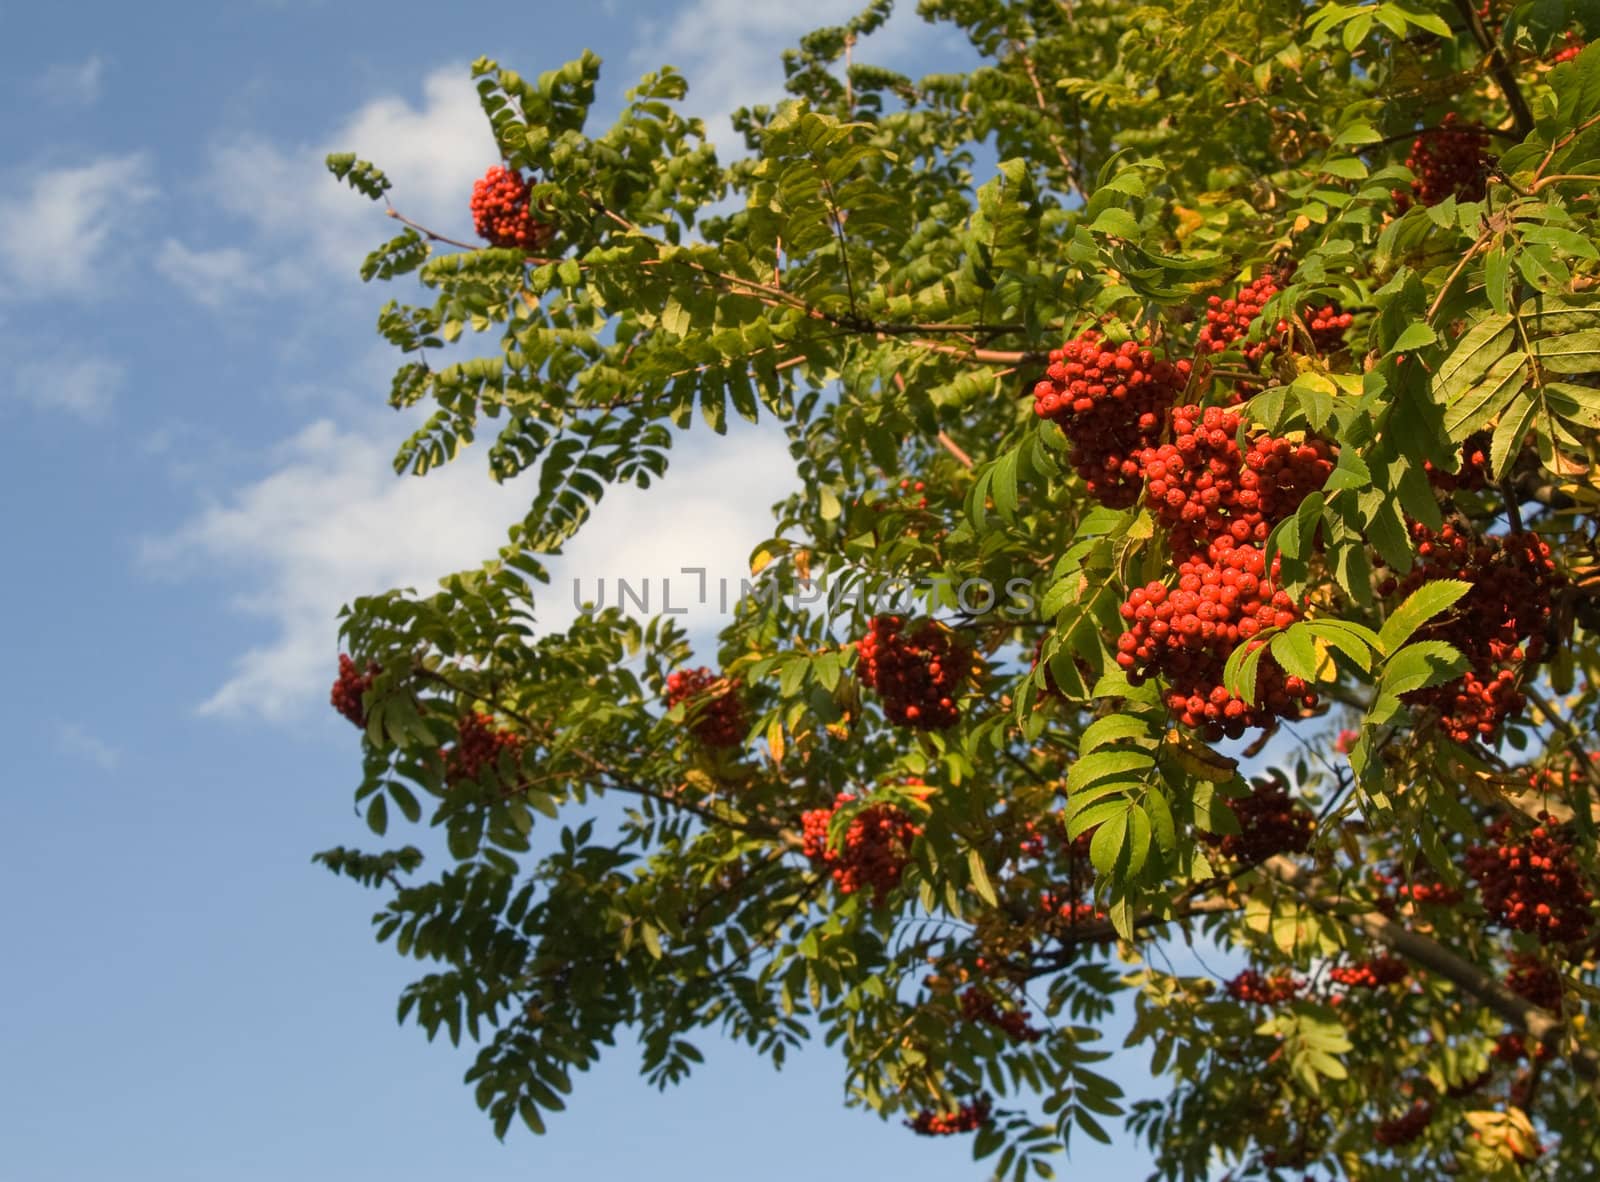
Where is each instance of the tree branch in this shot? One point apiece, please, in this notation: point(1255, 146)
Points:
point(1548, 1028)
point(1498, 66)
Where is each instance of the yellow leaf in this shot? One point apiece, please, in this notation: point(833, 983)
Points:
point(1199, 760)
point(775, 740)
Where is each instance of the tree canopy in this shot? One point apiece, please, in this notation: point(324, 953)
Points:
point(1195, 407)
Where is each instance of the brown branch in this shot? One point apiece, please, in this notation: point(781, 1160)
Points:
point(430, 235)
point(1044, 109)
point(950, 446)
point(1498, 66)
point(1421, 950)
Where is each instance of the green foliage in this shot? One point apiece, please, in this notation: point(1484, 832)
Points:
point(858, 281)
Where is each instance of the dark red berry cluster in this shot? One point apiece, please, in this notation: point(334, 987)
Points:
point(1111, 401)
point(1514, 1048)
point(965, 1119)
point(1571, 46)
point(876, 848)
point(1533, 980)
point(1258, 989)
point(1473, 474)
point(1405, 1128)
point(1448, 161)
point(714, 707)
point(1202, 486)
point(349, 690)
point(917, 671)
point(1421, 890)
point(1530, 882)
point(1499, 626)
point(1185, 635)
point(1270, 822)
point(501, 213)
point(478, 747)
point(978, 1005)
point(1370, 974)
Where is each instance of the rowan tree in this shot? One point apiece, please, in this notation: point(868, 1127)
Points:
point(1218, 383)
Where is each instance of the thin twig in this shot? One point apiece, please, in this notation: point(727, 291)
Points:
point(1498, 66)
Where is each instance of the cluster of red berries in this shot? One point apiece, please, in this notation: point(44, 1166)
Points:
point(1533, 980)
point(478, 746)
point(1427, 892)
point(349, 690)
point(501, 213)
point(1531, 884)
point(1229, 320)
point(1572, 46)
point(1513, 1048)
point(1499, 625)
point(1447, 161)
point(979, 1005)
point(876, 848)
point(1112, 402)
point(1186, 634)
point(1270, 822)
point(917, 671)
point(1202, 486)
point(965, 1119)
point(1258, 989)
point(715, 711)
point(1474, 471)
point(1370, 974)
point(1405, 1128)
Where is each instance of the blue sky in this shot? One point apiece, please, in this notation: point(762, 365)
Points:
point(197, 476)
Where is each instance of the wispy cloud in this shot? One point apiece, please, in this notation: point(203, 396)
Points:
point(331, 522)
point(210, 277)
point(738, 65)
point(307, 227)
point(55, 232)
point(74, 83)
point(84, 387)
point(76, 740)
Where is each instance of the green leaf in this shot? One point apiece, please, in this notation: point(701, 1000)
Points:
point(1573, 352)
point(1110, 729)
point(1478, 349)
point(1508, 437)
point(1103, 764)
point(1110, 839)
point(1295, 650)
point(980, 877)
point(1419, 607)
point(1421, 666)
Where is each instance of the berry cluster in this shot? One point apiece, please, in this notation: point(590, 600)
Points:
point(1229, 320)
point(1424, 891)
point(877, 846)
point(1499, 626)
point(349, 690)
point(965, 1119)
point(1405, 1128)
point(478, 746)
point(1572, 46)
point(501, 213)
point(1186, 634)
point(917, 671)
point(1370, 974)
point(715, 712)
point(1111, 401)
point(1473, 474)
point(1269, 823)
point(1447, 161)
point(1254, 987)
point(1531, 884)
point(1533, 980)
point(1202, 486)
point(979, 1005)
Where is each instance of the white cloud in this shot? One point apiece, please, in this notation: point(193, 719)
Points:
point(311, 226)
point(210, 277)
point(75, 739)
point(332, 522)
point(739, 64)
point(77, 83)
point(54, 235)
point(80, 386)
